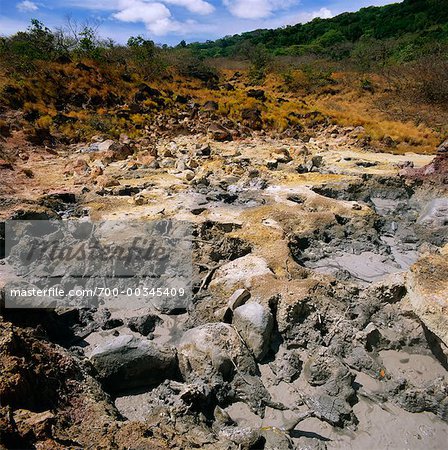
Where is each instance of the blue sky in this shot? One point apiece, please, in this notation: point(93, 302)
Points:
point(169, 21)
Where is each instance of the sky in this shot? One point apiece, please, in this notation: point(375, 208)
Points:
point(170, 21)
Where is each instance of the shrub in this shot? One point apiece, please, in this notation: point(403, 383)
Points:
point(260, 61)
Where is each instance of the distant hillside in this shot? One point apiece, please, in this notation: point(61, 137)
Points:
point(409, 28)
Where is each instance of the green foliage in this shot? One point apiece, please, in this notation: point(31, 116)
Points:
point(88, 45)
point(260, 60)
point(146, 57)
point(37, 42)
point(418, 22)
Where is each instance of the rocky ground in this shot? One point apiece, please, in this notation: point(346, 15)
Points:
point(319, 318)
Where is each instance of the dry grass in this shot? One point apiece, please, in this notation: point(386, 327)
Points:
point(301, 102)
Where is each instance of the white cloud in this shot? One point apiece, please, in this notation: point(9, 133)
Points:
point(256, 9)
point(156, 16)
point(194, 6)
point(27, 6)
point(323, 13)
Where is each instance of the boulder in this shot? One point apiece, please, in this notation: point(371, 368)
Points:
point(213, 350)
point(443, 148)
point(127, 362)
point(258, 94)
point(105, 145)
point(254, 322)
point(427, 286)
point(210, 106)
point(115, 152)
point(219, 133)
point(188, 174)
point(252, 118)
point(5, 165)
point(282, 155)
point(435, 213)
point(292, 305)
point(143, 324)
point(146, 92)
point(240, 270)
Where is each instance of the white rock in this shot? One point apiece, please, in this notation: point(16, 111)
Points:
point(211, 350)
point(254, 322)
point(240, 270)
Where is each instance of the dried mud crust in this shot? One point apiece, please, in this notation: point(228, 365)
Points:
point(308, 327)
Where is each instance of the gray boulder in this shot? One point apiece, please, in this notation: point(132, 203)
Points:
point(128, 362)
point(435, 213)
point(254, 322)
point(213, 350)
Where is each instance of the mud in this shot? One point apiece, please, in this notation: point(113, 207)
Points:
point(337, 355)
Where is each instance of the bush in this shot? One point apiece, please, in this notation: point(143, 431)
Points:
point(430, 76)
point(260, 61)
point(192, 65)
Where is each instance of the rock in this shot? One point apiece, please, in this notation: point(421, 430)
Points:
point(254, 322)
point(238, 298)
point(291, 305)
point(282, 155)
point(331, 398)
point(240, 270)
point(128, 362)
point(210, 106)
point(213, 350)
point(116, 152)
point(143, 324)
point(244, 437)
point(258, 94)
point(427, 286)
point(5, 165)
point(252, 118)
point(105, 145)
point(219, 133)
point(435, 213)
point(204, 151)
point(105, 181)
point(146, 92)
point(188, 174)
point(271, 164)
point(443, 148)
